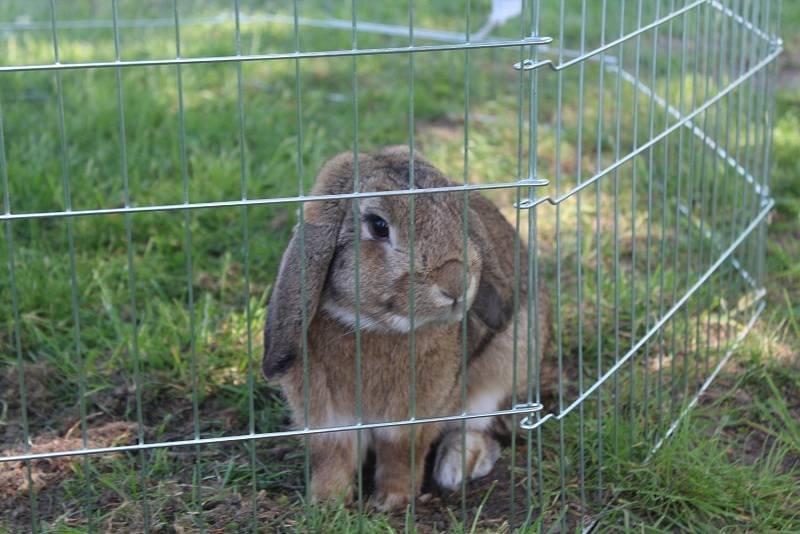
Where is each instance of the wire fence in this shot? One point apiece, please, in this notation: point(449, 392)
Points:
point(626, 141)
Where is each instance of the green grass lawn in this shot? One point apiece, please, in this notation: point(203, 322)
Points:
point(148, 325)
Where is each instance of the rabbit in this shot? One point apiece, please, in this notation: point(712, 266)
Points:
point(440, 298)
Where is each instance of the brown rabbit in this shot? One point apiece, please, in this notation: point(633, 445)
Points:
point(439, 298)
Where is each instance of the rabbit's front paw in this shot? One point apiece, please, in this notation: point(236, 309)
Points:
point(482, 451)
point(389, 501)
point(322, 493)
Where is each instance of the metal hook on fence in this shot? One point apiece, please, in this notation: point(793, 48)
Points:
point(530, 182)
point(527, 422)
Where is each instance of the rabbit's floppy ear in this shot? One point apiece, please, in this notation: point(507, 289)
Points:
point(493, 304)
point(315, 245)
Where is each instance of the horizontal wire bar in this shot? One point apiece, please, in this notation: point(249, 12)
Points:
point(473, 187)
point(696, 130)
point(663, 135)
point(742, 21)
point(528, 182)
point(528, 41)
point(531, 65)
point(715, 241)
point(363, 27)
point(709, 141)
point(534, 407)
point(591, 527)
point(520, 409)
point(709, 380)
point(668, 315)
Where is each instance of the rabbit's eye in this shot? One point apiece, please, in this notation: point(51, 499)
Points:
point(378, 227)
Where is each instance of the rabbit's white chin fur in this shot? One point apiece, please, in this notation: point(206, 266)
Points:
point(393, 322)
point(390, 322)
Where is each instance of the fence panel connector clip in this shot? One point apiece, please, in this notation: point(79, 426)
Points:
point(528, 409)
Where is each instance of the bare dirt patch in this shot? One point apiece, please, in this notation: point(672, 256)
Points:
point(17, 477)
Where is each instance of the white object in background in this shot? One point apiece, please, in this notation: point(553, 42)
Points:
point(502, 11)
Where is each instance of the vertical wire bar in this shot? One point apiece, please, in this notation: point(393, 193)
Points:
point(665, 226)
point(598, 257)
point(74, 298)
point(725, 181)
point(731, 174)
point(142, 456)
point(705, 151)
point(251, 422)
point(189, 283)
point(737, 278)
point(649, 239)
point(727, 175)
point(758, 112)
point(634, 186)
point(528, 303)
point(734, 227)
point(750, 192)
point(731, 185)
point(559, 334)
point(664, 223)
point(620, 58)
point(759, 144)
point(412, 344)
point(23, 390)
point(731, 181)
point(708, 227)
point(754, 164)
point(745, 112)
point(411, 511)
point(759, 87)
point(691, 186)
point(725, 41)
point(731, 229)
point(302, 246)
point(534, 352)
point(765, 144)
point(536, 301)
point(769, 132)
point(745, 197)
point(357, 286)
point(465, 216)
point(733, 279)
point(768, 165)
point(579, 267)
point(697, 165)
point(677, 228)
point(517, 276)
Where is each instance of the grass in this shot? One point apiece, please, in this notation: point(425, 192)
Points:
point(176, 350)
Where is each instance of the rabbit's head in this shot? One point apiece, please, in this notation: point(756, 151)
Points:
point(425, 259)
point(400, 286)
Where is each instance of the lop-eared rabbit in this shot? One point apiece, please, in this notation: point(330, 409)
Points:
point(440, 296)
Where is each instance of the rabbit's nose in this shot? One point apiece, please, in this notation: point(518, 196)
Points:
point(449, 278)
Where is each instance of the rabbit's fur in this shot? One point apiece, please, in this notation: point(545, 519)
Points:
point(328, 242)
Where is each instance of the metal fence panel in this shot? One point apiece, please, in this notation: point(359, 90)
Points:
point(641, 131)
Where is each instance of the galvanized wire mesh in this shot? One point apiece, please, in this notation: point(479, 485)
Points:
point(642, 193)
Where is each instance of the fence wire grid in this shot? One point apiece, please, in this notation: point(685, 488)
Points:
point(627, 141)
